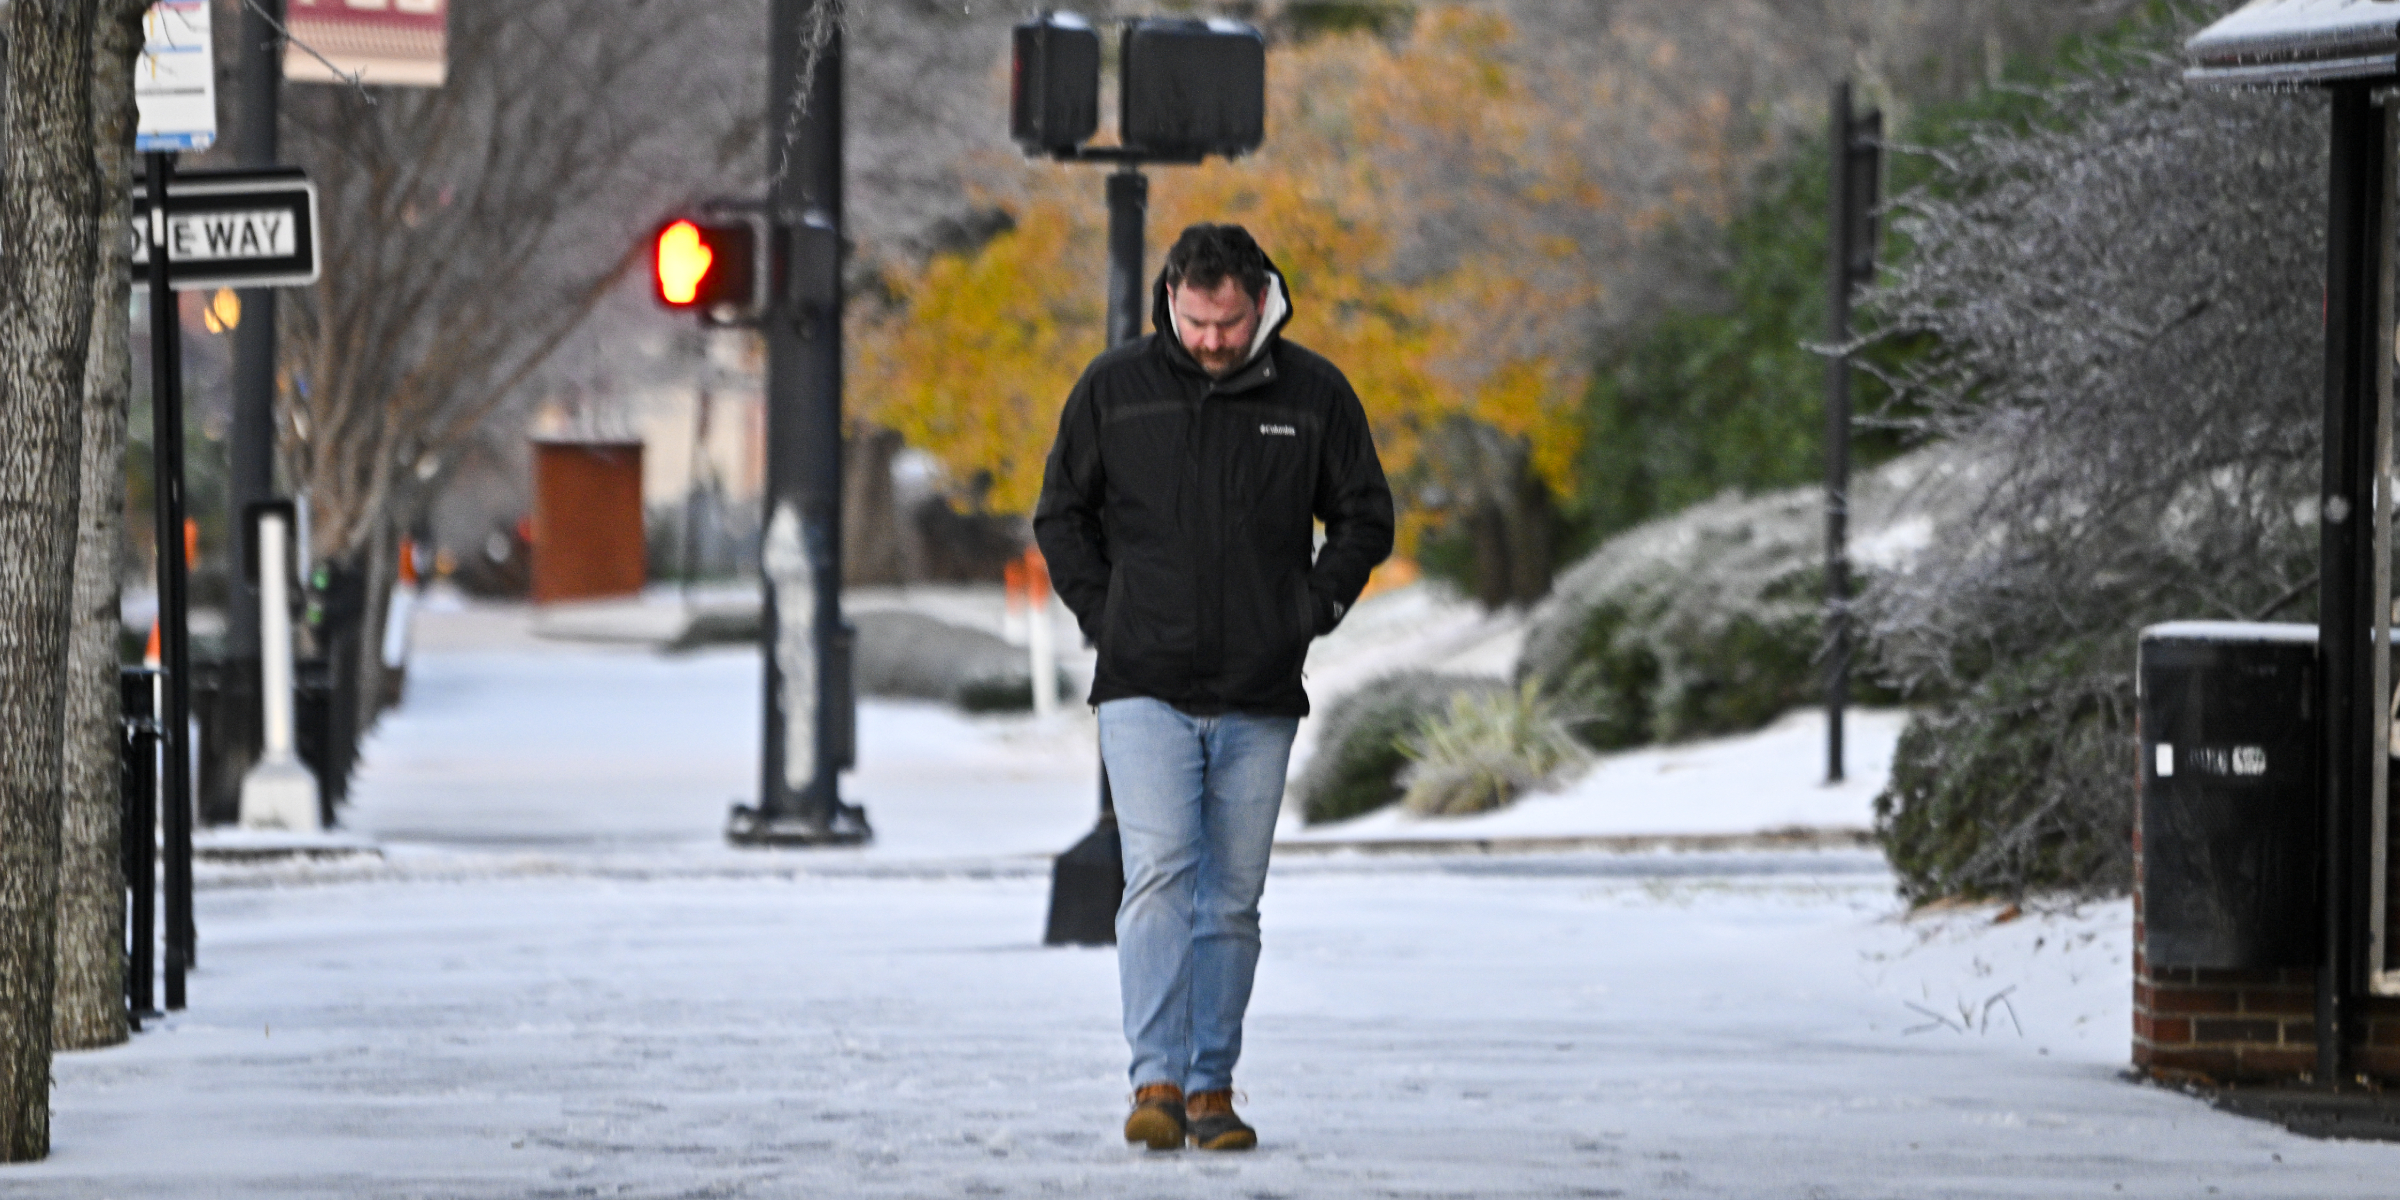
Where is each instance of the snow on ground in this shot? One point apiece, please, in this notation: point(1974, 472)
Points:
point(1524, 1027)
point(561, 983)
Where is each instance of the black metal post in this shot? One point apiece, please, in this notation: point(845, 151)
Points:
point(1128, 207)
point(1837, 438)
point(1087, 883)
point(174, 643)
point(690, 551)
point(1128, 212)
point(2344, 614)
point(139, 686)
point(250, 437)
point(809, 715)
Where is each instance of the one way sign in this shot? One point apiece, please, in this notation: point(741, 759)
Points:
point(231, 229)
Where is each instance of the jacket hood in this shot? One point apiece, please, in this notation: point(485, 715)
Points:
point(1274, 314)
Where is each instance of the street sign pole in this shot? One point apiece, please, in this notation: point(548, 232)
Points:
point(174, 648)
point(810, 710)
point(250, 436)
point(175, 99)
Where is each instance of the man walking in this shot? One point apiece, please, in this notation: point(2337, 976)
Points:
point(1177, 516)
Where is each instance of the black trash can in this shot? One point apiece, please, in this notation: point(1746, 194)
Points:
point(2229, 806)
point(325, 685)
point(225, 708)
point(317, 733)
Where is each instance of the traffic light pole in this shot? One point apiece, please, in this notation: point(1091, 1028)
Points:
point(810, 711)
point(1128, 209)
point(1189, 89)
point(1128, 212)
point(1087, 883)
point(250, 437)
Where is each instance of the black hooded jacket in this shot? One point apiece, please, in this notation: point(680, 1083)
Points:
point(1176, 515)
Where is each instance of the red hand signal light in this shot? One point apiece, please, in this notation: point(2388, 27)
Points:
point(683, 261)
point(707, 264)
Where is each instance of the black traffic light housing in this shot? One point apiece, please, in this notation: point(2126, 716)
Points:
point(1187, 89)
point(712, 262)
point(1054, 84)
point(1192, 87)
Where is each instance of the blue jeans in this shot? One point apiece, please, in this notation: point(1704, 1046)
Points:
point(1196, 804)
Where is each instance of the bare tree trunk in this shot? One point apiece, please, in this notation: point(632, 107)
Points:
point(47, 215)
point(1488, 522)
point(1531, 548)
point(872, 554)
point(89, 1005)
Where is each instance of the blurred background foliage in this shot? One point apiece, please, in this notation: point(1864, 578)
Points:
point(1573, 262)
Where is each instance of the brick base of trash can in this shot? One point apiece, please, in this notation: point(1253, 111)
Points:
point(2248, 1027)
point(2243, 1027)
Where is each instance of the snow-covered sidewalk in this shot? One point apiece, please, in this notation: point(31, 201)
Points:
point(560, 982)
point(1523, 1027)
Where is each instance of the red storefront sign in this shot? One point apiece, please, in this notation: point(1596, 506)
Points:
point(387, 43)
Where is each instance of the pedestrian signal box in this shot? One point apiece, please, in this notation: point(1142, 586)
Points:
point(1193, 87)
point(709, 266)
point(1187, 89)
point(1054, 84)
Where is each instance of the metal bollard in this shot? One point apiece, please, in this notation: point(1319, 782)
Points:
point(139, 830)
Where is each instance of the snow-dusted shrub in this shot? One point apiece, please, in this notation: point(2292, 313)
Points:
point(909, 654)
point(1486, 749)
point(1998, 793)
point(1007, 692)
point(1709, 621)
point(2122, 297)
point(1357, 764)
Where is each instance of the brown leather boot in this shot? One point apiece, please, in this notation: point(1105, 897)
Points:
point(1157, 1117)
point(1213, 1123)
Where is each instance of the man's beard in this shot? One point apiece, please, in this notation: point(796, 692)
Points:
point(1219, 363)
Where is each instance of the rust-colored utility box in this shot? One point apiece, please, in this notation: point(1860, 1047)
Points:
point(587, 520)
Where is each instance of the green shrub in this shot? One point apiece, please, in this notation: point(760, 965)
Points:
point(1664, 669)
point(1357, 764)
point(1486, 749)
point(2019, 786)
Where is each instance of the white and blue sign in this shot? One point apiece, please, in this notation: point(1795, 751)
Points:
point(176, 80)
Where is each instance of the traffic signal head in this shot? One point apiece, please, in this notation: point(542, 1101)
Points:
point(1054, 83)
point(1192, 87)
point(706, 265)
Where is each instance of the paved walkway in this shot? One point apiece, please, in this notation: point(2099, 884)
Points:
point(518, 1005)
